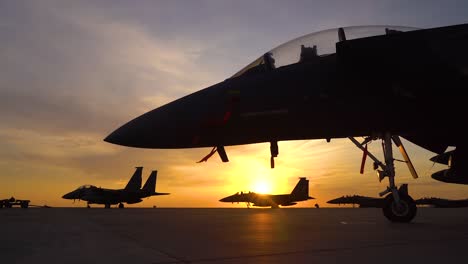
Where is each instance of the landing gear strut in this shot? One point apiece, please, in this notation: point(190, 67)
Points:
point(398, 205)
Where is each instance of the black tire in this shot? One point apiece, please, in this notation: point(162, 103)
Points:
point(107, 206)
point(121, 205)
point(399, 215)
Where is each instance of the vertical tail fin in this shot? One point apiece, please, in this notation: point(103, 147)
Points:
point(135, 182)
point(150, 184)
point(301, 191)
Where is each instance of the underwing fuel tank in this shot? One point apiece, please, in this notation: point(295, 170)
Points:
point(457, 171)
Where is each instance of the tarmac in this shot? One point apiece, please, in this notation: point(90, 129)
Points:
point(301, 235)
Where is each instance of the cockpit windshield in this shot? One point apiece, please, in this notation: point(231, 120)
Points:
point(314, 45)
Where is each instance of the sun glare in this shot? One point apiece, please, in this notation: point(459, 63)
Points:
point(262, 187)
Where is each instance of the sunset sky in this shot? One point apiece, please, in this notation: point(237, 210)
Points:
point(74, 71)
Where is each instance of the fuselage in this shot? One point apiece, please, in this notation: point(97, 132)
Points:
point(362, 201)
point(389, 83)
point(265, 200)
point(96, 195)
point(443, 203)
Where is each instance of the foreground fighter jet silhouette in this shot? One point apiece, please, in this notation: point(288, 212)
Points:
point(299, 193)
point(375, 82)
point(131, 194)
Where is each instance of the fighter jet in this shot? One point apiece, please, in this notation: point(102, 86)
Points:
point(299, 193)
point(362, 201)
point(442, 203)
point(131, 194)
point(377, 82)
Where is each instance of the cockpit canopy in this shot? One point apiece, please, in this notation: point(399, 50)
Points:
point(242, 193)
point(87, 186)
point(316, 44)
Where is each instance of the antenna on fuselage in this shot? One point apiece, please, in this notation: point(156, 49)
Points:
point(341, 34)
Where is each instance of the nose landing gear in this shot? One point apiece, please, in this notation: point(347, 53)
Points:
point(398, 205)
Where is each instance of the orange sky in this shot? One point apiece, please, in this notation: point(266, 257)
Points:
point(74, 71)
point(332, 168)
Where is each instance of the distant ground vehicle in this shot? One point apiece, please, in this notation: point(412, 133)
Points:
point(9, 203)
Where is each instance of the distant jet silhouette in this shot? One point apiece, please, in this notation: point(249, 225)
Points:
point(442, 203)
point(131, 194)
point(299, 193)
point(364, 201)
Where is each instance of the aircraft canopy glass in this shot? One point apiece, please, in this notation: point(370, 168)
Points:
point(87, 186)
point(316, 44)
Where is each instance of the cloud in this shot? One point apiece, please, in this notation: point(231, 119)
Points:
point(72, 74)
point(82, 69)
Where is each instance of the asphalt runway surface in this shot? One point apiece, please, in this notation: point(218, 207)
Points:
point(302, 235)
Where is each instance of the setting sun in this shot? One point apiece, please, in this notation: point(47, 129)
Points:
point(262, 186)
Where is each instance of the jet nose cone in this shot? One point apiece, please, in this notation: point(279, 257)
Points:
point(230, 199)
point(69, 195)
point(336, 200)
point(184, 123)
point(165, 127)
point(133, 133)
point(118, 137)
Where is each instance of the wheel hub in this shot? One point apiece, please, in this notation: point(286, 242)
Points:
point(401, 208)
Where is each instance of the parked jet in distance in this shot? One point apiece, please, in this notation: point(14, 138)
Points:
point(361, 201)
point(299, 193)
point(442, 203)
point(364, 201)
point(131, 194)
point(376, 82)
